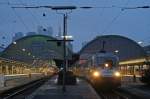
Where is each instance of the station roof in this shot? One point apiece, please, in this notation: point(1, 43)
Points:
point(147, 49)
point(33, 47)
point(123, 47)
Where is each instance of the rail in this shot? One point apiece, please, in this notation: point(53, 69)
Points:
point(9, 94)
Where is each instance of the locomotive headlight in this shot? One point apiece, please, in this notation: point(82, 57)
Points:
point(106, 65)
point(117, 74)
point(96, 74)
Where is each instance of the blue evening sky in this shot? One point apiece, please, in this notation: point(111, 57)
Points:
point(83, 25)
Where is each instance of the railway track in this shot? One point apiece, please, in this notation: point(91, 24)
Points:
point(118, 94)
point(113, 94)
point(22, 91)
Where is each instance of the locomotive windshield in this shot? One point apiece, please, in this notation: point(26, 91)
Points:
point(108, 64)
point(105, 61)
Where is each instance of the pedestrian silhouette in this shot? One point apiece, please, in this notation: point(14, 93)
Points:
point(134, 78)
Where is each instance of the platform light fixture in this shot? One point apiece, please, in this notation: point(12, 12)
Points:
point(140, 42)
point(14, 43)
point(67, 37)
point(116, 51)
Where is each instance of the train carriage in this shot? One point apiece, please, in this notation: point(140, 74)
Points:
point(102, 70)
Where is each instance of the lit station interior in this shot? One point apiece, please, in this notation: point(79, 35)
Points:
point(36, 54)
point(133, 58)
point(32, 54)
point(35, 63)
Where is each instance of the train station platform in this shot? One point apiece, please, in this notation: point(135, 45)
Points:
point(129, 80)
point(12, 81)
point(135, 88)
point(82, 90)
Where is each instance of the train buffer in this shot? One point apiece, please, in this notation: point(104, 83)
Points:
point(51, 90)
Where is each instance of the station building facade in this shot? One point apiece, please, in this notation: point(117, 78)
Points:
point(32, 51)
point(133, 58)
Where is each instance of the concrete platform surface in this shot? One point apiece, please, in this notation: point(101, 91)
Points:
point(50, 90)
point(12, 82)
point(140, 91)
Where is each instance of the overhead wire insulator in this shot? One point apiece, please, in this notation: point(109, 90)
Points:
point(63, 7)
point(86, 7)
point(144, 7)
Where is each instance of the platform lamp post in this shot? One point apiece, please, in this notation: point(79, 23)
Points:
point(65, 15)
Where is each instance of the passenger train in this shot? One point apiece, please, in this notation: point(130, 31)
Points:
point(102, 70)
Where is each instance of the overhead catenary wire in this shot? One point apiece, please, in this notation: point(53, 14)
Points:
point(114, 19)
point(28, 10)
point(101, 14)
point(90, 7)
point(8, 3)
point(14, 4)
point(4, 19)
point(20, 3)
point(20, 18)
point(35, 18)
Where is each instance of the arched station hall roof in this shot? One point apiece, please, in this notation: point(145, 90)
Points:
point(33, 47)
point(124, 47)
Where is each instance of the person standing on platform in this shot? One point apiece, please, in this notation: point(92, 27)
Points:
point(134, 78)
